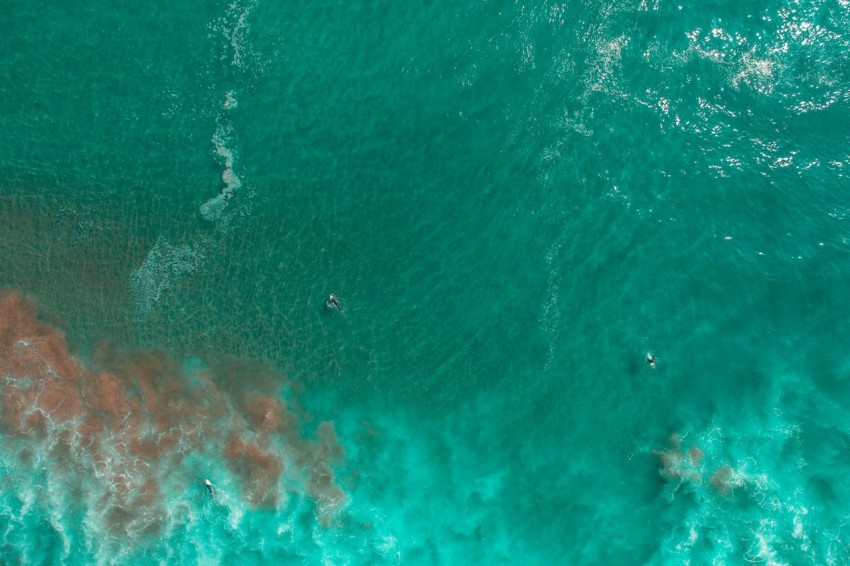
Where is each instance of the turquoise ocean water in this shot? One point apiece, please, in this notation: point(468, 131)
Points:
point(514, 202)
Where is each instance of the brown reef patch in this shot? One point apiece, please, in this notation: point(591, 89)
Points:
point(128, 419)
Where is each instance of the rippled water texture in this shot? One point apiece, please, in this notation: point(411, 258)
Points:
point(515, 204)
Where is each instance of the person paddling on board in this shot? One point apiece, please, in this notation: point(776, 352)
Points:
point(334, 302)
point(650, 359)
point(210, 488)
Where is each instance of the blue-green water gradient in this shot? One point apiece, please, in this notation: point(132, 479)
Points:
point(515, 203)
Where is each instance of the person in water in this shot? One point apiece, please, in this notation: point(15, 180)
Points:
point(334, 302)
point(650, 359)
point(210, 488)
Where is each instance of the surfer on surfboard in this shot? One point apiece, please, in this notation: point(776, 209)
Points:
point(650, 359)
point(333, 302)
point(210, 488)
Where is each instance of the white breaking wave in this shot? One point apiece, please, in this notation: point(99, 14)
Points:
point(163, 267)
point(167, 263)
point(222, 140)
point(235, 28)
point(230, 101)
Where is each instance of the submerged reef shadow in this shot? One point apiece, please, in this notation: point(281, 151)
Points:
point(121, 427)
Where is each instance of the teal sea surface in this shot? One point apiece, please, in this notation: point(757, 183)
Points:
point(514, 203)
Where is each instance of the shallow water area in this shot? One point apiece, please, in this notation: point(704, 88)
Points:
point(515, 204)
